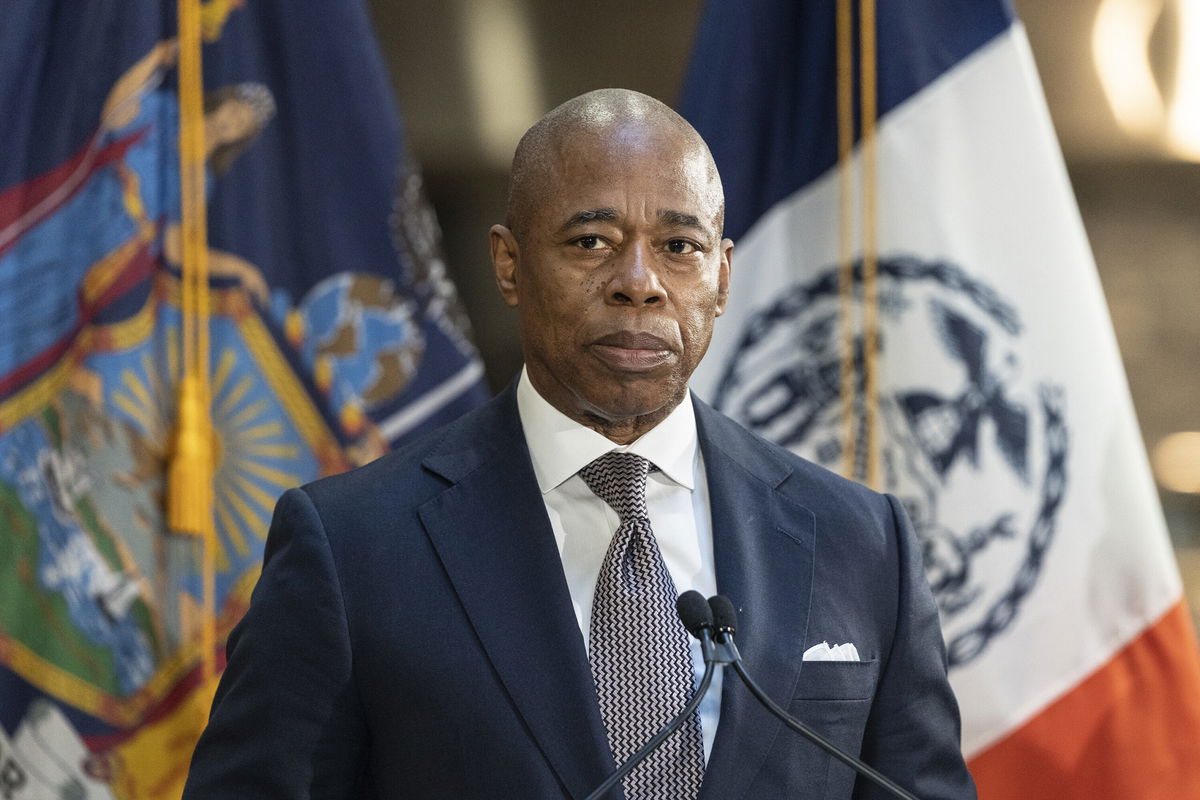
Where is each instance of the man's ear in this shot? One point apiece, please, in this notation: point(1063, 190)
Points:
point(506, 254)
point(723, 275)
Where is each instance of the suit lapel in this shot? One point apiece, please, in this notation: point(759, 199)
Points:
point(491, 532)
point(764, 550)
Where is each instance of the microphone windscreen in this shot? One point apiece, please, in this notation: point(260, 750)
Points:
point(694, 611)
point(723, 614)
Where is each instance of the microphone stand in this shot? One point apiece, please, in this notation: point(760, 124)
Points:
point(722, 651)
point(658, 738)
point(697, 618)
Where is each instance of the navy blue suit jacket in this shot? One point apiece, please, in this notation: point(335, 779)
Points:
point(412, 635)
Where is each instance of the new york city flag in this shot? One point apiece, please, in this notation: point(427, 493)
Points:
point(914, 303)
point(334, 334)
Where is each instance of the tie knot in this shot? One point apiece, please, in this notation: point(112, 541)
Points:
point(619, 479)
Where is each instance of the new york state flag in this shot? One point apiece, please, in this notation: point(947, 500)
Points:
point(334, 334)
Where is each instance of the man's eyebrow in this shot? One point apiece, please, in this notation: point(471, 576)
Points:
point(681, 219)
point(589, 215)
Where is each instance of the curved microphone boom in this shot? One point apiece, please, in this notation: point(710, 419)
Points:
point(725, 624)
point(696, 616)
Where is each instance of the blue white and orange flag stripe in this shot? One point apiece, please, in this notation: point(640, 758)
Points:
point(915, 304)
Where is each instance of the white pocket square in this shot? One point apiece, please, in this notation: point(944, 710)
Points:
point(823, 652)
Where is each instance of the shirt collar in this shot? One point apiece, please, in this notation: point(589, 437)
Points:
point(559, 446)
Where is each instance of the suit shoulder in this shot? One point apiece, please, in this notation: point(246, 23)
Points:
point(753, 451)
point(404, 474)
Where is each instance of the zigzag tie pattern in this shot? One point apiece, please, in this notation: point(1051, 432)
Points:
point(639, 654)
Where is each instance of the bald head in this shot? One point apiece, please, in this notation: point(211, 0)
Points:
point(605, 118)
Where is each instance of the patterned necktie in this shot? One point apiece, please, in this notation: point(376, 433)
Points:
point(639, 651)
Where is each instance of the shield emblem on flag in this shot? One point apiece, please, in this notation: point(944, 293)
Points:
point(960, 419)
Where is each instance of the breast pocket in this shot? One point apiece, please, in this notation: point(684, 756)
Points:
point(834, 699)
point(837, 680)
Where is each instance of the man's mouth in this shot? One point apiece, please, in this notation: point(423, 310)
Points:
point(630, 351)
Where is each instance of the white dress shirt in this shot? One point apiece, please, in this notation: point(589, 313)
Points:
point(583, 524)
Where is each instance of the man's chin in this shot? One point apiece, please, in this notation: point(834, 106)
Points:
point(631, 406)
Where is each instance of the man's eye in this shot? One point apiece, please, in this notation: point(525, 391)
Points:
point(589, 242)
point(681, 247)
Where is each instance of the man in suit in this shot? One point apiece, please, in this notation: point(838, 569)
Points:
point(442, 624)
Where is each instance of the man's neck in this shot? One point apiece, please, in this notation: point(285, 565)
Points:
point(623, 431)
point(619, 430)
point(560, 445)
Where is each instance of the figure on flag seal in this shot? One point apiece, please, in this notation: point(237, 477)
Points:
point(973, 445)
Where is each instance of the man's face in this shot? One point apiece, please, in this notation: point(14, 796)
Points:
point(618, 276)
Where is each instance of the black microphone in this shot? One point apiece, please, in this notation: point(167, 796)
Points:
point(695, 613)
point(725, 624)
point(696, 616)
point(724, 616)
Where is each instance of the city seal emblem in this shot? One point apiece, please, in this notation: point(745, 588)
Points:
point(973, 446)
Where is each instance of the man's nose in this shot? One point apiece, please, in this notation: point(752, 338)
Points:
point(635, 278)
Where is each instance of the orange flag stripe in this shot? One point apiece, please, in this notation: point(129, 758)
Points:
point(1129, 730)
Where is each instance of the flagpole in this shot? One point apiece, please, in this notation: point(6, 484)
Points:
point(870, 242)
point(845, 107)
point(190, 478)
point(851, 435)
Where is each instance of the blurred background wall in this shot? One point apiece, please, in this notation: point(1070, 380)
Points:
point(1122, 79)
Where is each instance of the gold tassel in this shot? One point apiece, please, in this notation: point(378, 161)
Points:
point(190, 474)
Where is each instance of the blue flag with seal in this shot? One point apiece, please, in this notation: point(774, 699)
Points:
point(918, 307)
point(334, 331)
